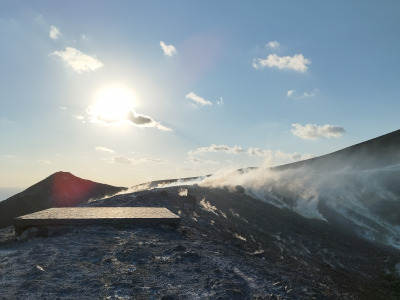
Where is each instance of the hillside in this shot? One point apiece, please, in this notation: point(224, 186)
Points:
point(61, 189)
point(325, 228)
point(356, 188)
point(231, 247)
point(375, 153)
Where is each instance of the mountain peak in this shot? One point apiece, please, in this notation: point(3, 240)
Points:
point(61, 189)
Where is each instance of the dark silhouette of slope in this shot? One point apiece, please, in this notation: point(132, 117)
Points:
point(231, 247)
point(62, 189)
point(274, 253)
point(375, 153)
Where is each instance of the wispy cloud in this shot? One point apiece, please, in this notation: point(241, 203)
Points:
point(131, 117)
point(273, 45)
point(309, 94)
point(297, 62)
point(220, 101)
point(197, 160)
point(293, 156)
point(5, 121)
point(45, 161)
point(54, 33)
point(217, 148)
point(197, 99)
point(77, 60)
point(290, 93)
point(293, 94)
point(123, 160)
point(134, 161)
point(269, 157)
point(169, 50)
point(145, 121)
point(258, 152)
point(153, 160)
point(315, 132)
point(104, 149)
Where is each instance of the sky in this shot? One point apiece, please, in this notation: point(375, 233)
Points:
point(126, 92)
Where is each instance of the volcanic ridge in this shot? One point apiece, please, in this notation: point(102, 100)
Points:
point(325, 228)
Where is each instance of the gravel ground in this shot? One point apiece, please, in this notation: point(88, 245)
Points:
point(231, 247)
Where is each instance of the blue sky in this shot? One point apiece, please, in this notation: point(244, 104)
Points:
point(125, 92)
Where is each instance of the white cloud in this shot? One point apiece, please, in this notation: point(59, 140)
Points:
point(145, 121)
point(169, 50)
point(123, 160)
point(292, 93)
point(133, 161)
point(202, 161)
point(77, 60)
point(131, 116)
point(153, 160)
point(309, 94)
point(293, 156)
point(273, 44)
point(315, 132)
point(220, 101)
point(162, 127)
point(297, 62)
point(45, 161)
point(269, 157)
point(54, 33)
point(63, 107)
point(258, 152)
point(218, 148)
point(104, 149)
point(198, 99)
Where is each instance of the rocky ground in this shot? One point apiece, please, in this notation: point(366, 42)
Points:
point(231, 247)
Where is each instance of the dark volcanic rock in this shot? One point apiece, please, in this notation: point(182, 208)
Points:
point(231, 247)
point(62, 189)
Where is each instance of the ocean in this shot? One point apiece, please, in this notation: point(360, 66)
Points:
point(8, 192)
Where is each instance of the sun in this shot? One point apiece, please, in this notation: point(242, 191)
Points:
point(112, 105)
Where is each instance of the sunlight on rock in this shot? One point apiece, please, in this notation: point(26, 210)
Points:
point(239, 237)
point(208, 207)
point(183, 192)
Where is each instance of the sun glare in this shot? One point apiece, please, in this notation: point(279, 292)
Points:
point(112, 105)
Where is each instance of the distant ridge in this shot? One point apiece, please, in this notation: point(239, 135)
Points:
point(61, 189)
point(378, 152)
point(375, 153)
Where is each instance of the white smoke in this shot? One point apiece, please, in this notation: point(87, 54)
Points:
point(368, 199)
point(366, 202)
point(291, 189)
point(183, 192)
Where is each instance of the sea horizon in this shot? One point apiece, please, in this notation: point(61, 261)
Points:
point(6, 193)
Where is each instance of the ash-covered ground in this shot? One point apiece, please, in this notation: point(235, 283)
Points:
point(231, 247)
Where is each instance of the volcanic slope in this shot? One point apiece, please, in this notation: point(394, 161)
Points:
point(231, 247)
point(61, 189)
point(326, 228)
point(356, 189)
point(372, 154)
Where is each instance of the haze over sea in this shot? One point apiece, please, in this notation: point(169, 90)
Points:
point(8, 192)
